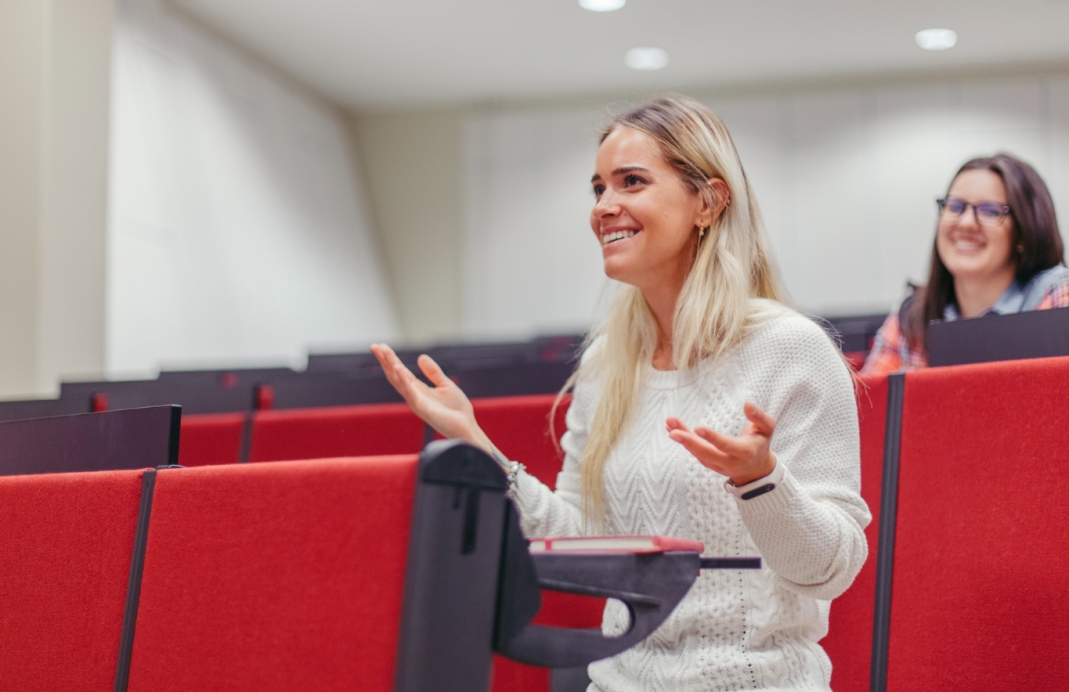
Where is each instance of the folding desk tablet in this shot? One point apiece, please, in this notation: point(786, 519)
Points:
point(41, 408)
point(133, 439)
point(307, 389)
point(197, 392)
point(1036, 334)
point(511, 380)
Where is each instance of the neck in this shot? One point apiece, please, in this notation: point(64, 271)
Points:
point(975, 296)
point(662, 303)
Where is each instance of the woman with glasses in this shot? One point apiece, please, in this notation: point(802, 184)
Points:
point(997, 251)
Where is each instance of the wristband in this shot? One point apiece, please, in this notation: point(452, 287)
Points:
point(760, 486)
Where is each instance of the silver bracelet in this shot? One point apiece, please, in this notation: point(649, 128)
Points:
point(512, 468)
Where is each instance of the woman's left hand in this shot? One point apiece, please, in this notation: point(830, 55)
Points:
point(743, 459)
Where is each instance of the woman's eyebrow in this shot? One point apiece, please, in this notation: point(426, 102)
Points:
point(621, 171)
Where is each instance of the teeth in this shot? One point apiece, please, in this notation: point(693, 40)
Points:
point(966, 245)
point(617, 235)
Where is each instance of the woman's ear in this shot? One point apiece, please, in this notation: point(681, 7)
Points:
point(713, 205)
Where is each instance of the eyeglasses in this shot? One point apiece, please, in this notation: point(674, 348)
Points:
point(988, 214)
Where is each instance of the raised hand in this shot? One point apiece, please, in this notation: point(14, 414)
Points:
point(443, 406)
point(743, 459)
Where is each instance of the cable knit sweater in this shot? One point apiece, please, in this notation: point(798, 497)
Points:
point(735, 630)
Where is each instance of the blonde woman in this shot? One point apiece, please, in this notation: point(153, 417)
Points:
point(703, 408)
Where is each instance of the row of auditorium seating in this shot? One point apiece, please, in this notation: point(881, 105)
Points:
point(959, 467)
point(970, 533)
point(369, 430)
point(374, 573)
point(537, 366)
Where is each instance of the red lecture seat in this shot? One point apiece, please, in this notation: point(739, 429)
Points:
point(252, 573)
point(336, 431)
point(519, 426)
point(66, 543)
point(981, 566)
point(849, 640)
point(211, 438)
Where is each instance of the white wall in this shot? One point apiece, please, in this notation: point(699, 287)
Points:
point(416, 183)
point(846, 179)
point(54, 76)
point(237, 230)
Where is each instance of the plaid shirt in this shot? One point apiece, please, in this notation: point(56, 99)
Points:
point(892, 353)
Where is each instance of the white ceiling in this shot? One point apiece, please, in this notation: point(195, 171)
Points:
point(400, 53)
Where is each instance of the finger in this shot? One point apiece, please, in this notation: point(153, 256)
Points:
point(407, 384)
point(433, 371)
point(673, 423)
point(702, 450)
point(387, 358)
point(731, 446)
point(764, 423)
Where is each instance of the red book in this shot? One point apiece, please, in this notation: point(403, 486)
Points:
point(615, 544)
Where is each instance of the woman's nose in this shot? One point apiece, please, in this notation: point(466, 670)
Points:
point(968, 217)
point(607, 205)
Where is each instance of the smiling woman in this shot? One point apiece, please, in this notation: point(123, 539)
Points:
point(997, 250)
point(703, 408)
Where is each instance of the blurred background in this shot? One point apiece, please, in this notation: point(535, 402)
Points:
point(228, 183)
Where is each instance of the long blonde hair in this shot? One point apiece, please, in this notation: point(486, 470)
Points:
point(714, 311)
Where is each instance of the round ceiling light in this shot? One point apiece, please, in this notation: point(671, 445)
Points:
point(936, 39)
point(602, 5)
point(646, 58)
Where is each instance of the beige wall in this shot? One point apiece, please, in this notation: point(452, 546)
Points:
point(54, 76)
point(413, 167)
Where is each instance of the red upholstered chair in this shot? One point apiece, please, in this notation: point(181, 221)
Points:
point(519, 426)
point(211, 438)
point(319, 433)
point(66, 542)
point(849, 640)
point(856, 359)
point(275, 576)
point(981, 567)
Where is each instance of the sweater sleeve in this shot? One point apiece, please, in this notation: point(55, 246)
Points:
point(810, 528)
point(545, 512)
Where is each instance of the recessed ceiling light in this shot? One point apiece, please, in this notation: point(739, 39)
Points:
point(646, 58)
point(936, 39)
point(602, 5)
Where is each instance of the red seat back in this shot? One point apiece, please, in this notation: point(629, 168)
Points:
point(981, 567)
point(275, 576)
point(849, 640)
point(66, 542)
point(519, 426)
point(336, 431)
point(211, 438)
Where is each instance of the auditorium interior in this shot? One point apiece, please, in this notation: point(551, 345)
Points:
point(211, 210)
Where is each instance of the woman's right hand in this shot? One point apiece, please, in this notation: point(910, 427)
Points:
point(443, 406)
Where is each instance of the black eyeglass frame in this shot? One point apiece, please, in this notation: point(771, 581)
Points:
point(1004, 208)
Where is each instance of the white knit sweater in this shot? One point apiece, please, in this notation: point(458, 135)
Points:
point(735, 630)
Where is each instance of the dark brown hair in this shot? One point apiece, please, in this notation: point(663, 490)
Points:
point(1035, 232)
